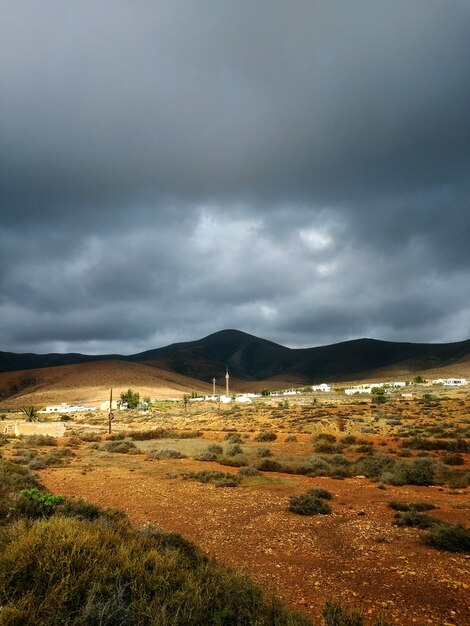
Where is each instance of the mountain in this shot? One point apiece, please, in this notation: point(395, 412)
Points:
point(251, 358)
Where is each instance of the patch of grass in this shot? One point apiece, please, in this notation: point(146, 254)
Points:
point(335, 615)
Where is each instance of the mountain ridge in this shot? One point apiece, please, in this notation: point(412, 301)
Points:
point(253, 358)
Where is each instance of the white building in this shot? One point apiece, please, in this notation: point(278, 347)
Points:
point(323, 387)
point(243, 398)
point(455, 382)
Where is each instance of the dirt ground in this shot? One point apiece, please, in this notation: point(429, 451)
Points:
point(355, 555)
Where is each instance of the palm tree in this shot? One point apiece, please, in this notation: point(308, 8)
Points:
point(31, 412)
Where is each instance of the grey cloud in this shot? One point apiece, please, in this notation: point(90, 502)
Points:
point(296, 170)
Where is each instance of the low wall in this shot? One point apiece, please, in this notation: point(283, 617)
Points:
point(53, 429)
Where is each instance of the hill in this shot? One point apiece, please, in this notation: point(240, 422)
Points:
point(252, 362)
point(89, 383)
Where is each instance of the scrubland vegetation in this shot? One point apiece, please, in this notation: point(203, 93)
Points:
point(415, 455)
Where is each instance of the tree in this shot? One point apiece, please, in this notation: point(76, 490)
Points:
point(419, 379)
point(31, 412)
point(131, 398)
point(378, 395)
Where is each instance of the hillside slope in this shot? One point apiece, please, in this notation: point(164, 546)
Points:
point(251, 358)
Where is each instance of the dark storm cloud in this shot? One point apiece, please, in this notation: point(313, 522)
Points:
point(297, 170)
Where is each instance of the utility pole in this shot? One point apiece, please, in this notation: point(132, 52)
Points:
point(227, 376)
point(110, 414)
point(213, 386)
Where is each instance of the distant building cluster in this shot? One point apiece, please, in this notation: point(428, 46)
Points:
point(63, 407)
point(350, 391)
point(450, 382)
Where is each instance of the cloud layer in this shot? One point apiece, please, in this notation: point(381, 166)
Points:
point(300, 171)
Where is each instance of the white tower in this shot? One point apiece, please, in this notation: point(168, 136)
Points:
point(227, 376)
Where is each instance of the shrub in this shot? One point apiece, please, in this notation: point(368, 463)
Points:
point(89, 437)
point(453, 538)
point(215, 448)
point(372, 466)
point(263, 452)
point(65, 570)
point(320, 492)
point(159, 433)
point(308, 504)
point(325, 446)
point(248, 471)
point(266, 435)
point(348, 440)
point(122, 447)
point(422, 506)
point(234, 449)
point(415, 520)
point(219, 479)
point(268, 465)
point(36, 503)
point(233, 438)
point(318, 466)
point(40, 440)
point(165, 454)
point(207, 456)
point(291, 439)
point(453, 458)
point(417, 506)
point(232, 461)
point(325, 437)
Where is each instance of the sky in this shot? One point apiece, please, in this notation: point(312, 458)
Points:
point(297, 170)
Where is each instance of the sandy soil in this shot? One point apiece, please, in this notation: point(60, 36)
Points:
point(355, 555)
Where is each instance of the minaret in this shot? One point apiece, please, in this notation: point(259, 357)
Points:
point(227, 376)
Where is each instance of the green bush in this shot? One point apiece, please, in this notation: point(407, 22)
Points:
point(268, 465)
point(64, 571)
point(166, 453)
point(233, 438)
point(219, 479)
point(266, 435)
point(233, 450)
point(39, 440)
point(453, 458)
point(248, 471)
point(121, 447)
point(263, 452)
point(414, 520)
point(308, 504)
point(372, 466)
point(449, 537)
point(215, 448)
point(320, 492)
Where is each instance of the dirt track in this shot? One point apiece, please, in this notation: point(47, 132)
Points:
point(355, 554)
